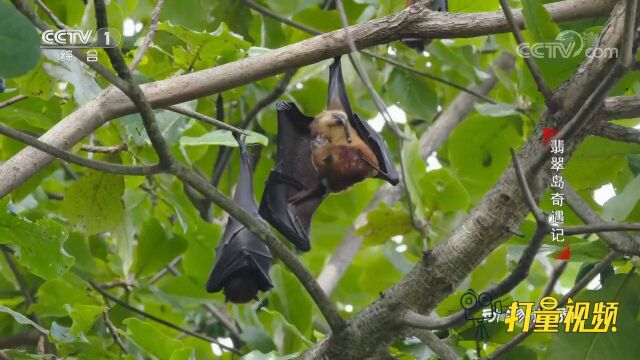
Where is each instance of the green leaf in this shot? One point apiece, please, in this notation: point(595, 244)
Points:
point(54, 294)
point(620, 206)
point(37, 245)
point(414, 168)
point(36, 83)
point(413, 94)
point(634, 163)
point(384, 223)
point(622, 288)
point(83, 317)
point(222, 138)
point(539, 23)
point(18, 40)
point(479, 151)
point(62, 335)
point(21, 319)
point(441, 191)
point(290, 299)
point(93, 203)
point(185, 353)
point(155, 248)
point(151, 339)
point(496, 110)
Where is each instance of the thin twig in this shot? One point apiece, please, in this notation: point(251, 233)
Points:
point(59, 24)
point(157, 319)
point(75, 159)
point(533, 68)
point(153, 27)
point(526, 191)
point(12, 101)
point(599, 228)
point(114, 332)
point(104, 149)
point(206, 119)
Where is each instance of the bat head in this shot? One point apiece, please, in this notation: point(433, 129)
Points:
point(331, 126)
point(241, 288)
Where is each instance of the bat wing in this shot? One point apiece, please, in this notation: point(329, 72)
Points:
point(293, 191)
point(338, 99)
point(240, 249)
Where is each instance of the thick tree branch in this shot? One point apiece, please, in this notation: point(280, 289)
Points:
point(111, 104)
point(618, 133)
point(78, 160)
point(621, 107)
point(437, 345)
point(617, 241)
point(531, 64)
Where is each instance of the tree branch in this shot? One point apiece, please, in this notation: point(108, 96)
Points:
point(617, 241)
point(618, 133)
point(437, 345)
point(78, 160)
point(267, 12)
point(206, 119)
point(114, 332)
point(154, 318)
point(111, 104)
point(12, 101)
point(153, 27)
point(533, 68)
point(621, 107)
point(627, 55)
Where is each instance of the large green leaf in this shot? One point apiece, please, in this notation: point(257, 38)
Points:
point(37, 245)
point(53, 295)
point(152, 339)
point(93, 203)
point(156, 248)
point(622, 288)
point(21, 319)
point(222, 138)
point(413, 94)
point(539, 23)
point(18, 40)
point(620, 206)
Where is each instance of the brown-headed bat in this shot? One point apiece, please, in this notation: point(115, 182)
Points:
point(317, 156)
point(242, 260)
point(419, 44)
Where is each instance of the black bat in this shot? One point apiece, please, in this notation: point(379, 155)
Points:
point(242, 259)
point(317, 156)
point(419, 44)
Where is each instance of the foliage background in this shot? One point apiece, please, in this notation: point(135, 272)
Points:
point(115, 229)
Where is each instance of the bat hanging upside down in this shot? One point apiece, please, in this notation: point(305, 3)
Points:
point(242, 258)
point(317, 156)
